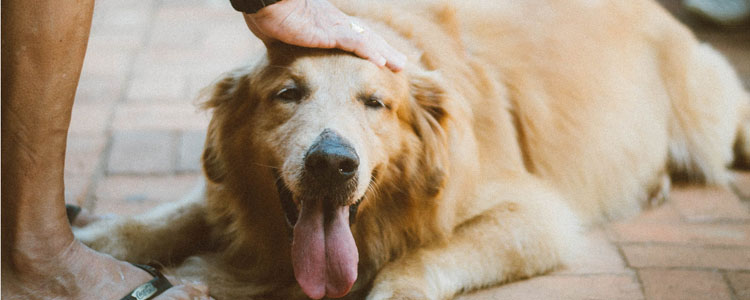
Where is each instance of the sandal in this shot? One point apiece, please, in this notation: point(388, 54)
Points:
point(146, 291)
point(151, 289)
point(72, 211)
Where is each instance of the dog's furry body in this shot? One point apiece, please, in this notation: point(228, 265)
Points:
point(516, 122)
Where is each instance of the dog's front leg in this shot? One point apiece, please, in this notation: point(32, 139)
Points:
point(166, 234)
point(529, 231)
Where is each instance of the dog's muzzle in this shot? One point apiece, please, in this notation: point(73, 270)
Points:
point(329, 175)
point(291, 211)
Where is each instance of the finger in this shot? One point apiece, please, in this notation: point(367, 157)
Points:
point(190, 291)
point(360, 42)
point(369, 45)
point(395, 60)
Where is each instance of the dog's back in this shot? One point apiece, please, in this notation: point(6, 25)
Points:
point(609, 97)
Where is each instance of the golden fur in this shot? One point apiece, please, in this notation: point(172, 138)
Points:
point(514, 123)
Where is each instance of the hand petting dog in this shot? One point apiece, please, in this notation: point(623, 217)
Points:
point(319, 24)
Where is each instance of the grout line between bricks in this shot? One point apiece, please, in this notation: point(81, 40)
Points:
point(630, 267)
point(100, 172)
point(689, 245)
point(732, 291)
point(176, 138)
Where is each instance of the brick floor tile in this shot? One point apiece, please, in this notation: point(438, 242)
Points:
point(686, 234)
point(189, 62)
point(83, 154)
point(684, 285)
point(159, 86)
point(703, 204)
point(663, 214)
point(102, 90)
point(611, 287)
point(599, 256)
point(112, 40)
point(641, 256)
point(180, 61)
point(129, 195)
point(89, 119)
point(109, 16)
point(113, 62)
point(142, 152)
point(175, 116)
point(190, 149)
point(742, 184)
point(231, 35)
point(76, 188)
point(740, 282)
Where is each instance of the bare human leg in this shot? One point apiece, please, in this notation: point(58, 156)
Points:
point(43, 46)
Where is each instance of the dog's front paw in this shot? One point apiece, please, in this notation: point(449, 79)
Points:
point(102, 237)
point(402, 291)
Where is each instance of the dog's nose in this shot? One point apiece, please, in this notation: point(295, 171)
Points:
point(331, 158)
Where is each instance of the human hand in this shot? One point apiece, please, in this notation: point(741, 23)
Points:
point(319, 24)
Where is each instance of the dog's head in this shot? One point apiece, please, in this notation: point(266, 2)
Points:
point(327, 128)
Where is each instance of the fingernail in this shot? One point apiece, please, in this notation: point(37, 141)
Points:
point(380, 61)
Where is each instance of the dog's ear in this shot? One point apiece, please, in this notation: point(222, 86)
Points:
point(223, 98)
point(429, 121)
point(213, 166)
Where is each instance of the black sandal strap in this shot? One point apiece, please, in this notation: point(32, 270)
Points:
point(151, 289)
point(72, 211)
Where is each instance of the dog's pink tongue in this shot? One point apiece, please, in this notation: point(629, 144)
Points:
point(324, 255)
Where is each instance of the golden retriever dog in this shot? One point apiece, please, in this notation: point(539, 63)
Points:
point(514, 125)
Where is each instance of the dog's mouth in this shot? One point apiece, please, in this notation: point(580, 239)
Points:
point(291, 211)
point(324, 254)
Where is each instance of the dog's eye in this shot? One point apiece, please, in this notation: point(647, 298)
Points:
point(374, 102)
point(289, 94)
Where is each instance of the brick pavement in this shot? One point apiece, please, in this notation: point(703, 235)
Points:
point(136, 138)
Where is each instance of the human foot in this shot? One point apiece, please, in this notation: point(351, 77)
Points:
point(81, 273)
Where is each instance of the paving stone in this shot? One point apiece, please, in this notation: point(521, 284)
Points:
point(599, 256)
point(76, 188)
point(609, 287)
point(705, 204)
point(642, 256)
point(83, 153)
point(742, 184)
point(663, 214)
point(684, 285)
point(190, 150)
point(89, 119)
point(104, 90)
point(130, 195)
point(110, 16)
point(231, 35)
point(142, 152)
point(740, 282)
point(111, 63)
point(159, 86)
point(188, 62)
point(112, 40)
point(174, 116)
point(165, 35)
point(686, 234)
